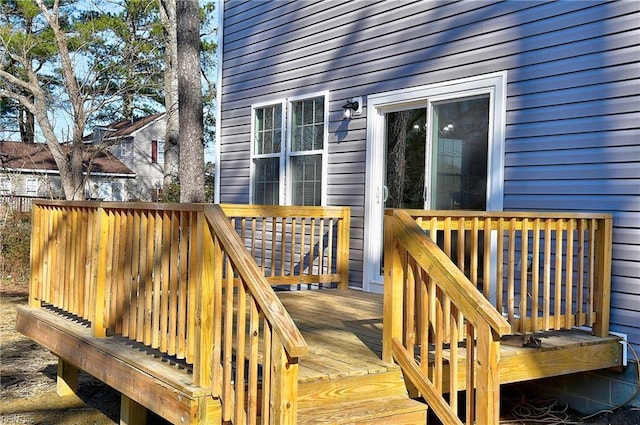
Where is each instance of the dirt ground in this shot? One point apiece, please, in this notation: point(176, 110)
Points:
point(28, 384)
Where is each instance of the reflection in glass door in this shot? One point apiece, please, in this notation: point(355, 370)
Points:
point(405, 165)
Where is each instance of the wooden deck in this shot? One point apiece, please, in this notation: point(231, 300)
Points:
point(161, 301)
point(344, 333)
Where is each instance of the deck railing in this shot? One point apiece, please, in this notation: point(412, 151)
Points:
point(429, 304)
point(296, 245)
point(453, 279)
point(178, 279)
point(541, 270)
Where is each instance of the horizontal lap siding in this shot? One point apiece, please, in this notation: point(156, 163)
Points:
point(573, 141)
point(572, 106)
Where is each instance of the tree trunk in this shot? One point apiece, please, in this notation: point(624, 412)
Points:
point(171, 149)
point(190, 140)
point(27, 125)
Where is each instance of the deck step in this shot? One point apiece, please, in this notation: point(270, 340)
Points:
point(377, 411)
point(325, 392)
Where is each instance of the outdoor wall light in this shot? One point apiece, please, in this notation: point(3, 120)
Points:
point(352, 108)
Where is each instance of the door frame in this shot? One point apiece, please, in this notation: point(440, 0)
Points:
point(494, 84)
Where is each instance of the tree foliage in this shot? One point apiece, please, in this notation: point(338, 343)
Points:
point(81, 64)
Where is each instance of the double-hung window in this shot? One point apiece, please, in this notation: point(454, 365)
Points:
point(268, 143)
point(289, 152)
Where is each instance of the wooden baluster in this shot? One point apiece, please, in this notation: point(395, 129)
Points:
point(500, 267)
point(98, 323)
point(453, 359)
point(547, 275)
point(253, 382)
point(183, 298)
point(240, 346)
point(581, 284)
point(36, 256)
point(174, 282)
point(266, 372)
point(127, 231)
point(569, 322)
point(511, 255)
point(471, 375)
point(524, 276)
point(312, 241)
point(486, 258)
point(292, 253)
point(136, 255)
point(535, 275)
point(557, 323)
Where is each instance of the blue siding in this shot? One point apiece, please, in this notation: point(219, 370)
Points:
point(573, 105)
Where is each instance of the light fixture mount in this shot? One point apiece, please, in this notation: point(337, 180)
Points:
point(352, 108)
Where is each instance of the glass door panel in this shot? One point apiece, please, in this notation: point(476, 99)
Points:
point(459, 152)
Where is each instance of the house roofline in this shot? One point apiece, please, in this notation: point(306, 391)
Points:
point(56, 172)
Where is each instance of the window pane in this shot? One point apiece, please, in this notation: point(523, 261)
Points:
point(267, 128)
point(307, 180)
point(307, 125)
point(266, 181)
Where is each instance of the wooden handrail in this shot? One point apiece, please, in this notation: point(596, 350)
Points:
point(427, 306)
point(269, 303)
point(471, 303)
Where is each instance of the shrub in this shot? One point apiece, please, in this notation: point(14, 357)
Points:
point(15, 239)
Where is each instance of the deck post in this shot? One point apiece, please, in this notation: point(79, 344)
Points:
point(204, 307)
point(488, 375)
point(602, 277)
point(284, 385)
point(67, 378)
point(343, 249)
point(131, 412)
point(393, 296)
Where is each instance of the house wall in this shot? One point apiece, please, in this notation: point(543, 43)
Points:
point(572, 99)
point(48, 185)
point(149, 175)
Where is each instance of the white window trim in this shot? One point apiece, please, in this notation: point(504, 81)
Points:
point(494, 84)
point(285, 195)
point(33, 181)
point(6, 186)
point(281, 155)
point(325, 142)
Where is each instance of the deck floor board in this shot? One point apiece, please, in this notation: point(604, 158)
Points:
point(344, 332)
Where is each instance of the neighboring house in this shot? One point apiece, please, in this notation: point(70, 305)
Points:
point(139, 144)
point(29, 170)
point(503, 105)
